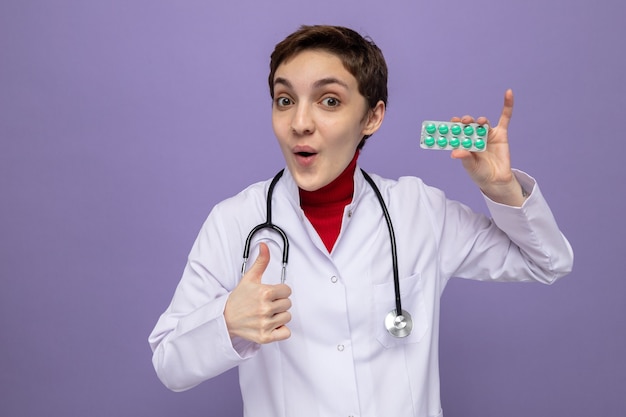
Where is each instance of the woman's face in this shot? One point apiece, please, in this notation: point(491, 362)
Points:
point(319, 117)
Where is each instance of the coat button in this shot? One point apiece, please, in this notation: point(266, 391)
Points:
point(333, 279)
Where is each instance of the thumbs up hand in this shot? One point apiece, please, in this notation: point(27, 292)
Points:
point(257, 311)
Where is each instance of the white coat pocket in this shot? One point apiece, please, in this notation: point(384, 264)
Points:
point(412, 295)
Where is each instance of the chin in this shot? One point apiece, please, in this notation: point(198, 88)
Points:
point(307, 186)
point(312, 184)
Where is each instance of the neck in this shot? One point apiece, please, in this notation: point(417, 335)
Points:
point(324, 207)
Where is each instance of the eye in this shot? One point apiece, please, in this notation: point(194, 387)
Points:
point(331, 102)
point(283, 101)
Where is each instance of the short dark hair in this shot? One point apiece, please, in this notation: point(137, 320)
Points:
point(359, 55)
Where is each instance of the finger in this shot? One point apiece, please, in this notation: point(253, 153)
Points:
point(460, 154)
point(280, 291)
point(281, 333)
point(280, 306)
point(280, 320)
point(260, 264)
point(467, 119)
point(455, 119)
point(275, 329)
point(507, 109)
point(482, 121)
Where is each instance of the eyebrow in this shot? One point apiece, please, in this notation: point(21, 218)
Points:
point(317, 84)
point(326, 81)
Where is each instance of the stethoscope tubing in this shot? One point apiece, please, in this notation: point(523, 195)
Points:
point(398, 321)
point(269, 225)
point(392, 239)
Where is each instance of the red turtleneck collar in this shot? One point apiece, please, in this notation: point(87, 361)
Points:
point(324, 207)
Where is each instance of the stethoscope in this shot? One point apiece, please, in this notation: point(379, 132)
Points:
point(398, 325)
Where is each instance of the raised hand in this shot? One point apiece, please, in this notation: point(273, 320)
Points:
point(491, 169)
point(257, 311)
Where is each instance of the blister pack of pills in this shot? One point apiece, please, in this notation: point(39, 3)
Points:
point(453, 135)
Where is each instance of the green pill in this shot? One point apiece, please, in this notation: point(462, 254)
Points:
point(466, 143)
point(431, 128)
point(442, 142)
point(456, 130)
point(480, 144)
point(443, 129)
point(481, 131)
point(429, 141)
point(455, 142)
point(468, 130)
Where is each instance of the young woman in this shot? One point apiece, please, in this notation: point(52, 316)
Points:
point(330, 340)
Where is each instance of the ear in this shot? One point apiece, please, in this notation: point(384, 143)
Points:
point(374, 118)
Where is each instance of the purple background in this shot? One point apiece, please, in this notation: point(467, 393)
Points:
point(123, 122)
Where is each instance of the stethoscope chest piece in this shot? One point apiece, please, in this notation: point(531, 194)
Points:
point(399, 325)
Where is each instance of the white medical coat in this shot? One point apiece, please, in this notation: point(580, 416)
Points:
point(340, 360)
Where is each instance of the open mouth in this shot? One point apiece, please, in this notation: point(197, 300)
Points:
point(306, 157)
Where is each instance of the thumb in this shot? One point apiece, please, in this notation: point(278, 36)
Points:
point(260, 264)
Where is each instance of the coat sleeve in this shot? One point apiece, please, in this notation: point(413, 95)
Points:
point(517, 244)
point(190, 341)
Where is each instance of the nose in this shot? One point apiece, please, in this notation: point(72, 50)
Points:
point(302, 122)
